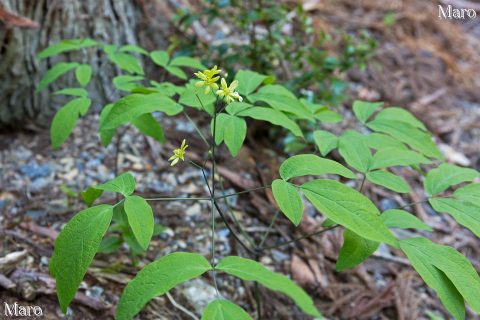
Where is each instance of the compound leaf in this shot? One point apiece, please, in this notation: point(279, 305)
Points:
point(400, 114)
point(248, 81)
point(272, 116)
point(349, 208)
point(123, 184)
point(381, 141)
point(77, 92)
point(221, 309)
point(235, 131)
point(250, 270)
point(157, 278)
point(446, 175)
point(75, 247)
point(390, 157)
point(354, 150)
point(325, 141)
point(160, 58)
point(354, 251)
point(54, 73)
point(309, 164)
point(469, 193)
point(188, 62)
point(66, 45)
point(65, 120)
point(83, 73)
point(396, 218)
point(363, 109)
point(388, 180)
point(148, 125)
point(140, 218)
point(126, 62)
point(288, 200)
point(90, 195)
point(465, 213)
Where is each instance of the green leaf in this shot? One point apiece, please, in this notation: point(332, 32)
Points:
point(188, 62)
point(364, 110)
point(220, 127)
point(77, 92)
point(272, 116)
point(465, 213)
point(126, 62)
point(189, 97)
point(157, 278)
point(396, 218)
point(436, 279)
point(281, 99)
point(469, 193)
point(250, 270)
point(400, 114)
point(75, 247)
point(140, 218)
point(127, 83)
point(381, 141)
point(83, 73)
point(248, 81)
point(235, 131)
point(354, 251)
point(106, 135)
point(66, 45)
point(288, 200)
point(354, 150)
point(390, 157)
point(90, 195)
point(446, 175)
point(349, 208)
point(177, 72)
point(309, 164)
point(388, 180)
point(236, 107)
point(135, 105)
point(65, 120)
point(325, 141)
point(160, 58)
point(54, 73)
point(149, 126)
point(110, 244)
point(133, 48)
point(221, 309)
point(328, 116)
point(123, 184)
point(405, 132)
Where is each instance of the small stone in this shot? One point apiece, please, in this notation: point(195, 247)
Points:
point(33, 170)
point(279, 256)
point(223, 233)
point(387, 204)
point(40, 184)
point(194, 210)
point(36, 214)
point(198, 293)
point(94, 292)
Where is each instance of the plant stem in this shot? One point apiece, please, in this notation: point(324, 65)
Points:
point(267, 233)
point(197, 129)
point(301, 238)
point(362, 184)
point(179, 199)
point(242, 192)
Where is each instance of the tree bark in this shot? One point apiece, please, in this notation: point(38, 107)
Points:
point(108, 21)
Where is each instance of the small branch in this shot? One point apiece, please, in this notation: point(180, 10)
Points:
point(178, 199)
point(301, 238)
point(242, 192)
point(180, 307)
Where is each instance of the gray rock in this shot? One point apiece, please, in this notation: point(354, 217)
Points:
point(39, 184)
point(279, 256)
point(198, 293)
point(33, 170)
point(387, 204)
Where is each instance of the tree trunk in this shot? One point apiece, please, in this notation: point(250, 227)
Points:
point(108, 21)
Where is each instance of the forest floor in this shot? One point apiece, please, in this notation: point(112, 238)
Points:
point(39, 191)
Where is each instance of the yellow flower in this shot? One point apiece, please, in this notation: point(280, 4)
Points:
point(208, 79)
point(178, 153)
point(228, 93)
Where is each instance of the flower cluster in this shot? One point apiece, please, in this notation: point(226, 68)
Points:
point(209, 78)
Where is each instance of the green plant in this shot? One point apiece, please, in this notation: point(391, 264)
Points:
point(398, 138)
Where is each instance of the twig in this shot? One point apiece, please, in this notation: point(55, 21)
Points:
point(180, 307)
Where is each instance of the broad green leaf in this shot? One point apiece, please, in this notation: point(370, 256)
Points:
point(390, 157)
point(309, 164)
point(433, 277)
point(381, 141)
point(54, 73)
point(160, 58)
point(177, 72)
point(135, 105)
point(65, 120)
point(110, 244)
point(196, 98)
point(75, 247)
point(167, 88)
point(281, 99)
point(405, 132)
point(133, 48)
point(149, 126)
point(349, 208)
point(354, 150)
point(288, 200)
point(157, 278)
point(465, 213)
point(354, 251)
point(250, 270)
point(325, 141)
point(221, 309)
point(219, 127)
point(106, 135)
point(83, 73)
point(452, 263)
point(400, 114)
point(123, 184)
point(248, 81)
point(126, 62)
point(127, 83)
point(364, 110)
point(235, 131)
point(90, 195)
point(77, 92)
point(66, 45)
point(188, 62)
point(236, 107)
point(272, 116)
point(469, 193)
point(140, 218)
point(446, 175)
point(396, 218)
point(328, 116)
point(388, 180)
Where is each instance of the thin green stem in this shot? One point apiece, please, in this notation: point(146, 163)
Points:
point(267, 233)
point(179, 199)
point(197, 129)
point(362, 184)
point(301, 238)
point(242, 192)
